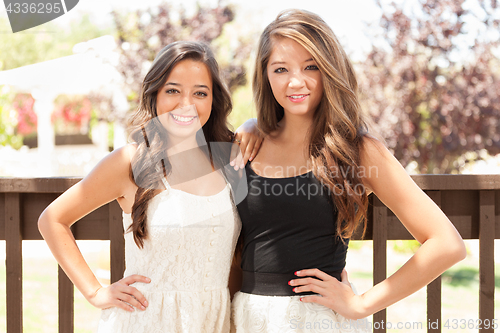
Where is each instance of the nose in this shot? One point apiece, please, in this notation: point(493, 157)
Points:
point(296, 80)
point(185, 100)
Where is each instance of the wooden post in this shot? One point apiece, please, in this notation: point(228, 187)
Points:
point(486, 258)
point(379, 257)
point(14, 263)
point(117, 242)
point(434, 288)
point(66, 302)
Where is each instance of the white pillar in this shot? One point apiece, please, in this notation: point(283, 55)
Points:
point(100, 135)
point(120, 136)
point(43, 107)
point(121, 106)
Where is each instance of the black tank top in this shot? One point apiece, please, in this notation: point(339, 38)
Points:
point(288, 224)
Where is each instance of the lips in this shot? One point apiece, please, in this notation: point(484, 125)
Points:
point(183, 120)
point(297, 98)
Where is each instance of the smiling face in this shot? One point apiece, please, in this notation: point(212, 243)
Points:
point(184, 102)
point(294, 77)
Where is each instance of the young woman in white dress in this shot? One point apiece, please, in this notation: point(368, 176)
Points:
point(308, 189)
point(179, 215)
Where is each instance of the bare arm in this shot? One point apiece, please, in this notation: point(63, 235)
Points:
point(442, 245)
point(108, 181)
point(441, 248)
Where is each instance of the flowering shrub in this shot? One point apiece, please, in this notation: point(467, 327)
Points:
point(26, 116)
point(72, 115)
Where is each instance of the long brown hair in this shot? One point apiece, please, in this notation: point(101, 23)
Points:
point(338, 126)
point(150, 162)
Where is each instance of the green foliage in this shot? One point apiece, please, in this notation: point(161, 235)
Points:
point(45, 42)
point(243, 108)
point(405, 246)
point(356, 245)
point(463, 276)
point(8, 122)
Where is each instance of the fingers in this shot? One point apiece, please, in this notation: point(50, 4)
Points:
point(309, 284)
point(126, 297)
point(241, 151)
point(237, 161)
point(315, 299)
point(135, 278)
point(315, 272)
point(135, 297)
point(249, 143)
point(256, 147)
point(235, 150)
point(247, 151)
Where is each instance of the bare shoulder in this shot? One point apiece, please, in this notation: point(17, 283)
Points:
point(114, 170)
point(109, 180)
point(381, 170)
point(372, 149)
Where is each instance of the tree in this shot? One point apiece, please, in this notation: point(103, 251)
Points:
point(431, 96)
point(46, 42)
point(143, 33)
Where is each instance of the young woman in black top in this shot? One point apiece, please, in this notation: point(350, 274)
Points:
point(308, 190)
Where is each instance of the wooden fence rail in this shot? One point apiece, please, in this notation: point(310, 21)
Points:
point(472, 202)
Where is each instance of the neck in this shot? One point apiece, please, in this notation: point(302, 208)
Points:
point(176, 146)
point(295, 128)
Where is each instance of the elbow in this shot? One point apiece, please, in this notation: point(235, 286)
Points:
point(456, 252)
point(462, 252)
point(42, 223)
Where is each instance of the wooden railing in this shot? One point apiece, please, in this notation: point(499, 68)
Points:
point(472, 202)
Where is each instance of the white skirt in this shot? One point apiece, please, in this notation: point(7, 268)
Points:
point(252, 313)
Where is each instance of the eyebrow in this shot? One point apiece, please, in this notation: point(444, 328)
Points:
point(283, 62)
point(178, 85)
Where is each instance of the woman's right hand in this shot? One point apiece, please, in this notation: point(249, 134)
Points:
point(121, 295)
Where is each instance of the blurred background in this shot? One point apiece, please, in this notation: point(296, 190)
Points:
point(429, 76)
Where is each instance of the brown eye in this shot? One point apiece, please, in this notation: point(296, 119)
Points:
point(280, 70)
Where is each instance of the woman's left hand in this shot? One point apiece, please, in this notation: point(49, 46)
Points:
point(336, 295)
point(249, 139)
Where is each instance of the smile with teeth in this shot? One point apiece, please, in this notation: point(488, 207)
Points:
point(297, 96)
point(183, 119)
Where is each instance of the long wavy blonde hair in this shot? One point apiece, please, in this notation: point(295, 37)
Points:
point(338, 126)
point(147, 131)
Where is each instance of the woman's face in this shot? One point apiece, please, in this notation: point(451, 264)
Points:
point(184, 103)
point(294, 77)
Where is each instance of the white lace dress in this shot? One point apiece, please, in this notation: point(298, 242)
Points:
point(287, 314)
point(188, 257)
